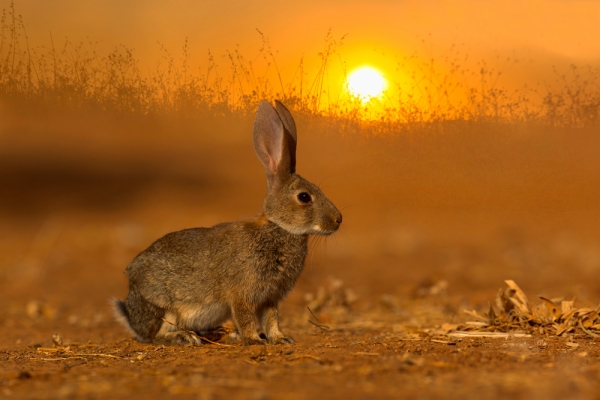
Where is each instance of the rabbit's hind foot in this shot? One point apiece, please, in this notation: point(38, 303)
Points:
point(178, 338)
point(233, 338)
point(281, 340)
point(253, 341)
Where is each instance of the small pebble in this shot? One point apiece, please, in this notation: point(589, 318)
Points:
point(24, 375)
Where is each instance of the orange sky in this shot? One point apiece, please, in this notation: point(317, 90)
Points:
point(379, 32)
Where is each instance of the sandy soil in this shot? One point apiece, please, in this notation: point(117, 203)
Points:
point(433, 225)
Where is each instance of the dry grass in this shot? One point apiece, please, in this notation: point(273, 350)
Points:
point(437, 93)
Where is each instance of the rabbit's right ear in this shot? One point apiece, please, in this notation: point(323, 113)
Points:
point(286, 118)
point(274, 144)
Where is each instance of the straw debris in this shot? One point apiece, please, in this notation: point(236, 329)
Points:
point(514, 314)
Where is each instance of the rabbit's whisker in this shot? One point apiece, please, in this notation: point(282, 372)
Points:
point(349, 206)
point(323, 179)
point(313, 248)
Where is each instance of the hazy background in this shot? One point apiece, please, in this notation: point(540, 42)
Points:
point(556, 28)
point(480, 164)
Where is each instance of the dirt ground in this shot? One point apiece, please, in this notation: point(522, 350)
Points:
point(433, 225)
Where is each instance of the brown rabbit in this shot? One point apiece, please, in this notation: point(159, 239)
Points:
point(198, 278)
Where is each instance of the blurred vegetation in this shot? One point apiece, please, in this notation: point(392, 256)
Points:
point(439, 92)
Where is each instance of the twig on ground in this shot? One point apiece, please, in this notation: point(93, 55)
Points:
point(66, 353)
point(318, 324)
point(100, 355)
point(443, 342)
point(473, 334)
point(590, 333)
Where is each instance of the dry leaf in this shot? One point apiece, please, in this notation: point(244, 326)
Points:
point(519, 298)
point(566, 306)
point(552, 307)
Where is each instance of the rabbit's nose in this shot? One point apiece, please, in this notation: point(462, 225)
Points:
point(338, 219)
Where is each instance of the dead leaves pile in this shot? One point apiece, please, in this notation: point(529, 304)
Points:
point(551, 317)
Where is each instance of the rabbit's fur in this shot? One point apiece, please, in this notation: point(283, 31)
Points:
point(198, 278)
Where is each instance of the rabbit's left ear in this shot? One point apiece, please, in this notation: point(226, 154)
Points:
point(274, 144)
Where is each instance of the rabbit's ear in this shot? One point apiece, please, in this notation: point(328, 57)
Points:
point(274, 144)
point(286, 118)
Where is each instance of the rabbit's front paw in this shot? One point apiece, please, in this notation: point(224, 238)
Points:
point(251, 341)
point(282, 340)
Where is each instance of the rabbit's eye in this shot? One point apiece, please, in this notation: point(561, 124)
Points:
point(304, 197)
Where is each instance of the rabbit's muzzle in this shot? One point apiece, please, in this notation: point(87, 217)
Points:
point(330, 225)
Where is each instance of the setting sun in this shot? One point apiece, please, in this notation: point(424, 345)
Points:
point(366, 83)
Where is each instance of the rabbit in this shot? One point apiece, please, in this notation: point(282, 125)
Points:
point(193, 280)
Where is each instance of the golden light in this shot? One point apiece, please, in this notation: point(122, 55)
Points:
point(366, 83)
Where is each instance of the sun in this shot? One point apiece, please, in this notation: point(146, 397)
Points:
point(366, 83)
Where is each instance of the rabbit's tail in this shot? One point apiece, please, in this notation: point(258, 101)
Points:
point(122, 316)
